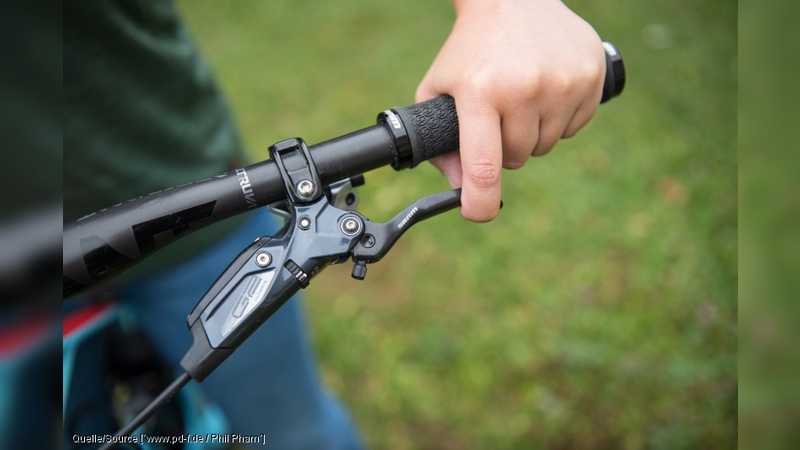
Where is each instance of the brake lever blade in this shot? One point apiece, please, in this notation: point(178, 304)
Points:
point(379, 238)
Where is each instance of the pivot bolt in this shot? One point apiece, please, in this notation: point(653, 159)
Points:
point(351, 226)
point(263, 259)
point(305, 188)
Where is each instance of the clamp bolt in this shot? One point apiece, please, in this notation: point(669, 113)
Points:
point(305, 188)
point(263, 259)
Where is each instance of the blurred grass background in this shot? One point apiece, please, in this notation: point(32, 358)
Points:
point(599, 310)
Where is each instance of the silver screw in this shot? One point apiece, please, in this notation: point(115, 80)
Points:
point(263, 259)
point(350, 226)
point(305, 188)
point(305, 223)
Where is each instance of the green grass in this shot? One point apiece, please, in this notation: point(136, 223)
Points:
point(598, 311)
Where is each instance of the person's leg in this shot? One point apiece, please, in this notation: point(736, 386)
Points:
point(269, 385)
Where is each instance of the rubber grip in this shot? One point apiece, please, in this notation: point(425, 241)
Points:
point(432, 126)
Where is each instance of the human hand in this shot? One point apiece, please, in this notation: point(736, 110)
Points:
point(524, 73)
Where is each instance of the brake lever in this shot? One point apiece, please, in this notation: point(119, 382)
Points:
point(272, 269)
point(379, 238)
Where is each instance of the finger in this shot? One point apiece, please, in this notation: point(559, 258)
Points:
point(560, 114)
point(481, 160)
point(584, 113)
point(550, 131)
point(580, 119)
point(520, 136)
point(595, 77)
point(450, 165)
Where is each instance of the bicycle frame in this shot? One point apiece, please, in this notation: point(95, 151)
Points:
point(86, 401)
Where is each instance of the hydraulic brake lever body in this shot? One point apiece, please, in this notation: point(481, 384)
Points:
point(262, 278)
point(272, 269)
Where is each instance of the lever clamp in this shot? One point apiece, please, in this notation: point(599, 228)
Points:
point(297, 170)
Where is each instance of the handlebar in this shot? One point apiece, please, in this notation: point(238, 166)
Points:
point(103, 243)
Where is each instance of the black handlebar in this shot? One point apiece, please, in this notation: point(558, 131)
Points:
point(103, 243)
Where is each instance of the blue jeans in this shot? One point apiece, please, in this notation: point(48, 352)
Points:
point(270, 384)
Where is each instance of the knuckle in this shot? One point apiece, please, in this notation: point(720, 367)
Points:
point(528, 87)
point(589, 75)
point(478, 82)
point(594, 71)
point(483, 174)
point(564, 82)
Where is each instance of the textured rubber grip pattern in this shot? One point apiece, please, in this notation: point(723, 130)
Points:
point(432, 127)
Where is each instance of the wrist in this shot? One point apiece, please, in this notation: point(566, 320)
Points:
point(482, 9)
point(463, 5)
